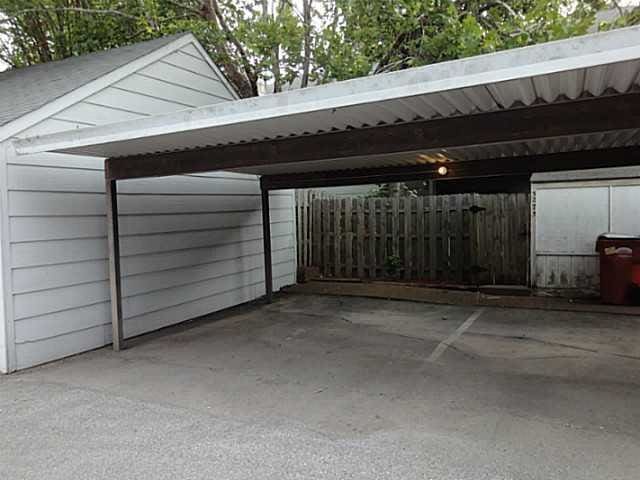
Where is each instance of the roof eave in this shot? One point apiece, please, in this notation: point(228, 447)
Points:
point(545, 59)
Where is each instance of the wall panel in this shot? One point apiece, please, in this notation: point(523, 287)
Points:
point(190, 244)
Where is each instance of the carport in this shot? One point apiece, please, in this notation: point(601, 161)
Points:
point(565, 105)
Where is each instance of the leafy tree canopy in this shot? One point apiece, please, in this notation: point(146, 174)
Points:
point(295, 42)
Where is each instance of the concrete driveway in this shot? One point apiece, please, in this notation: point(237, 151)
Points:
point(316, 387)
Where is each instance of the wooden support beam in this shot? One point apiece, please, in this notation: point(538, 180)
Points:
point(589, 115)
point(266, 236)
point(585, 159)
point(114, 264)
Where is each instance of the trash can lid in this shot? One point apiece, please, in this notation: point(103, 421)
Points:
point(618, 236)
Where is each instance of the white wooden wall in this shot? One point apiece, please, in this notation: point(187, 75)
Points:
point(3, 333)
point(568, 217)
point(190, 244)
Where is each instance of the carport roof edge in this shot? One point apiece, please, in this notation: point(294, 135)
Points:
point(323, 108)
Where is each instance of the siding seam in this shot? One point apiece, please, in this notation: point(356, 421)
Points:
point(151, 272)
point(166, 61)
point(148, 95)
point(148, 234)
point(147, 75)
point(145, 254)
point(145, 313)
point(119, 109)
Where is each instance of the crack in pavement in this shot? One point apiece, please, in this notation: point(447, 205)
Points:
point(554, 344)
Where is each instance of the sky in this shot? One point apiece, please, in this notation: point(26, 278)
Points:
point(4, 66)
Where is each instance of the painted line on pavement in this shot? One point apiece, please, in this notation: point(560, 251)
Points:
point(442, 346)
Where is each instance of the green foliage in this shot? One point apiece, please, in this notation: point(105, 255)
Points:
point(391, 190)
point(45, 30)
point(388, 35)
point(393, 266)
point(265, 39)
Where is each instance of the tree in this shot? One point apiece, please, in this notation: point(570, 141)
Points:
point(247, 39)
point(626, 17)
point(44, 30)
point(386, 35)
point(293, 42)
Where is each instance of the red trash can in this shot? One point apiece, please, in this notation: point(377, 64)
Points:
point(616, 265)
point(609, 239)
point(635, 273)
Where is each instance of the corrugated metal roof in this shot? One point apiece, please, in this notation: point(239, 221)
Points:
point(588, 66)
point(23, 90)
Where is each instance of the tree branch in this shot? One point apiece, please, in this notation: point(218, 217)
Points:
point(499, 3)
point(306, 64)
point(244, 58)
point(617, 6)
point(96, 11)
point(401, 39)
point(187, 8)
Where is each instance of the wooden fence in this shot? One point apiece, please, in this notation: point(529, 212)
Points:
point(464, 239)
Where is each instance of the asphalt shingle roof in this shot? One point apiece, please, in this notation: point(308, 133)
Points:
point(23, 90)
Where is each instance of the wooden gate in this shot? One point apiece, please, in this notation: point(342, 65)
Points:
point(463, 239)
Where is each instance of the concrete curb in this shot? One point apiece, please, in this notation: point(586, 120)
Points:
point(452, 297)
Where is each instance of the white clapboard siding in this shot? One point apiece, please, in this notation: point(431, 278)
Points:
point(190, 244)
point(180, 76)
point(31, 229)
point(120, 99)
point(56, 160)
point(44, 301)
point(36, 253)
point(98, 114)
point(170, 288)
point(62, 203)
point(45, 277)
point(190, 63)
point(180, 94)
point(3, 347)
point(83, 339)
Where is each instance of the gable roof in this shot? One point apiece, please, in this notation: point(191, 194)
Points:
point(24, 90)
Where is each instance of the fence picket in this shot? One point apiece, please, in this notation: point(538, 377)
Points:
point(306, 231)
point(337, 236)
point(299, 212)
point(326, 236)
point(459, 239)
point(408, 223)
point(372, 237)
point(420, 237)
point(395, 226)
point(383, 236)
point(360, 242)
point(439, 237)
point(348, 238)
point(316, 232)
point(433, 239)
